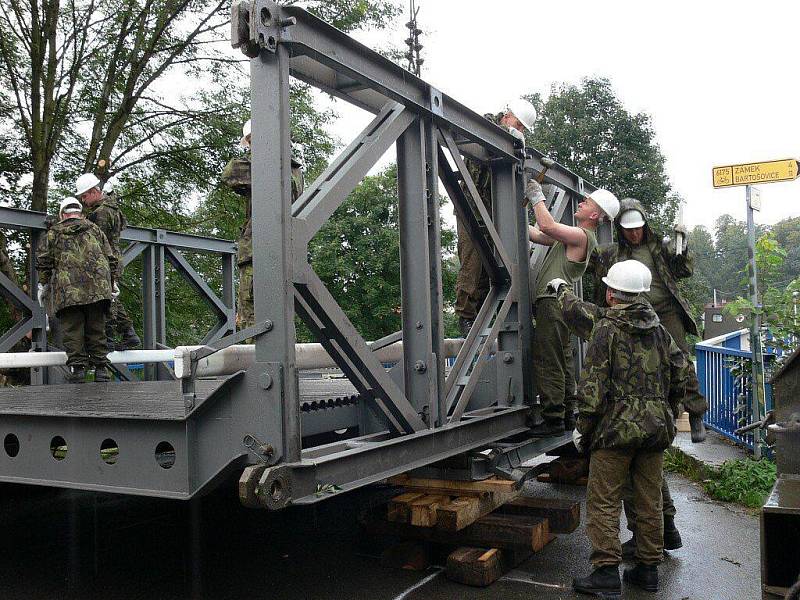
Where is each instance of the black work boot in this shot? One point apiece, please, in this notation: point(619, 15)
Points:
point(697, 428)
point(642, 576)
point(464, 325)
point(672, 537)
point(603, 580)
point(76, 375)
point(130, 339)
point(101, 375)
point(549, 428)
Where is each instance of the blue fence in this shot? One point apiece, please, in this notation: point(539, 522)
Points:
point(724, 382)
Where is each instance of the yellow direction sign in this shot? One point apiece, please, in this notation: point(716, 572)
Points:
point(761, 172)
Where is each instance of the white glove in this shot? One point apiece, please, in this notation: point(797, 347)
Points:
point(115, 291)
point(533, 192)
point(554, 284)
point(576, 439)
point(41, 291)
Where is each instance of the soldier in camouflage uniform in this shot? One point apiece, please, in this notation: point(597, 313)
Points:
point(637, 241)
point(633, 380)
point(472, 282)
point(102, 210)
point(236, 176)
point(78, 265)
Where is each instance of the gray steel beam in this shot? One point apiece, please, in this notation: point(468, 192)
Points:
point(329, 54)
point(225, 314)
point(153, 303)
point(557, 174)
point(420, 358)
point(272, 242)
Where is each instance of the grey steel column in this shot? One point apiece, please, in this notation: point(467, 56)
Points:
point(273, 288)
point(514, 338)
point(228, 289)
point(154, 304)
point(419, 362)
point(757, 362)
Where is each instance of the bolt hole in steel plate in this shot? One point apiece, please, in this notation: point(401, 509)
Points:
point(436, 101)
point(266, 17)
point(271, 42)
point(11, 445)
point(276, 490)
point(165, 455)
point(58, 447)
point(109, 451)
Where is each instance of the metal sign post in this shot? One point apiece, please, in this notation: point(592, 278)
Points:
point(758, 391)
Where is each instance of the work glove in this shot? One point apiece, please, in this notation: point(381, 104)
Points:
point(533, 192)
point(577, 440)
point(114, 291)
point(554, 284)
point(41, 291)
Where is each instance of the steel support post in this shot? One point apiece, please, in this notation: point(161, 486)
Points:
point(273, 290)
point(154, 304)
point(228, 289)
point(513, 340)
point(419, 356)
point(757, 382)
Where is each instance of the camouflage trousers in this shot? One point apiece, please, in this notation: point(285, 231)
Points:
point(245, 314)
point(667, 504)
point(694, 402)
point(609, 470)
point(84, 331)
point(553, 368)
point(472, 283)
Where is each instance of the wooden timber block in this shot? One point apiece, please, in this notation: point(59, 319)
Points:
point(399, 509)
point(545, 478)
point(463, 511)
point(475, 566)
point(451, 486)
point(683, 422)
point(423, 510)
point(563, 515)
point(409, 555)
point(567, 470)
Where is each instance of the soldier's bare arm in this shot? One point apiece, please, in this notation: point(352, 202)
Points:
point(594, 385)
point(571, 237)
point(537, 237)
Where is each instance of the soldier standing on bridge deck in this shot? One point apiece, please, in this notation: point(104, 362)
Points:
point(77, 265)
point(570, 249)
point(472, 283)
point(102, 210)
point(633, 380)
point(237, 177)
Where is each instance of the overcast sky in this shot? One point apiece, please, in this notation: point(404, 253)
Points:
point(718, 78)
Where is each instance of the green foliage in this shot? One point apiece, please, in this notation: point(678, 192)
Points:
point(587, 128)
point(747, 482)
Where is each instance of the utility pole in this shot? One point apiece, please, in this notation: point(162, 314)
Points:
point(412, 41)
point(758, 391)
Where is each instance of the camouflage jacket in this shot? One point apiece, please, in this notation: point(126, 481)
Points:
point(78, 263)
point(236, 176)
point(579, 315)
point(111, 221)
point(633, 379)
point(670, 266)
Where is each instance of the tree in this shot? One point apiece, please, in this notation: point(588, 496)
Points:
point(587, 129)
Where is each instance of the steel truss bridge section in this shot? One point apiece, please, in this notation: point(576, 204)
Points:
point(262, 423)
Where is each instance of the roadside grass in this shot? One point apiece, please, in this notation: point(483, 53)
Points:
point(747, 482)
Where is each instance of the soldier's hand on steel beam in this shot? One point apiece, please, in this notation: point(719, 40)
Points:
point(577, 439)
point(533, 192)
point(555, 284)
point(41, 292)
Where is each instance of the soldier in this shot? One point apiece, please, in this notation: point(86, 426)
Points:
point(102, 210)
point(78, 263)
point(570, 249)
point(472, 283)
point(633, 380)
point(237, 177)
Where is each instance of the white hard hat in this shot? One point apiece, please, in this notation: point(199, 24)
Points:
point(606, 201)
point(70, 205)
point(631, 219)
point(524, 111)
point(629, 276)
point(246, 130)
point(86, 182)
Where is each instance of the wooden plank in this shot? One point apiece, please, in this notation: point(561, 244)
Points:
point(465, 510)
point(563, 515)
point(423, 510)
point(491, 531)
point(456, 488)
point(474, 566)
point(398, 509)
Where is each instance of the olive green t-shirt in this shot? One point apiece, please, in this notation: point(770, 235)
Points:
point(659, 295)
point(557, 265)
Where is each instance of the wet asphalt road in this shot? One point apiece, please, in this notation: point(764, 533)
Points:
point(63, 544)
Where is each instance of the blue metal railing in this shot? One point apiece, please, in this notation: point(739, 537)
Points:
point(724, 381)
